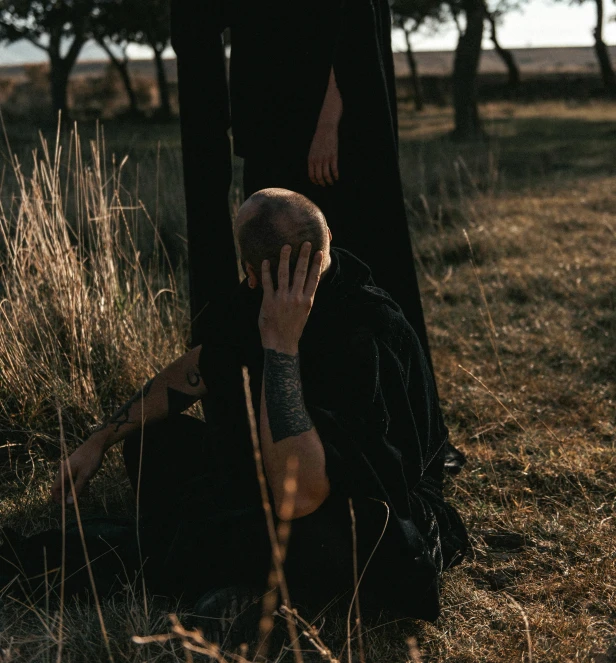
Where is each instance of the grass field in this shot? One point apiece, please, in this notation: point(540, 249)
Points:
point(516, 248)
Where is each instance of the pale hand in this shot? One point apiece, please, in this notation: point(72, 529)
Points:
point(285, 311)
point(323, 155)
point(83, 464)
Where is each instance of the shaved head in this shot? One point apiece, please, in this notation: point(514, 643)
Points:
point(271, 218)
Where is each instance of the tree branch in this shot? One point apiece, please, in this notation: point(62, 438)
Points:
point(36, 43)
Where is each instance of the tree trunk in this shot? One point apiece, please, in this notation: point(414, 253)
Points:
point(61, 67)
point(415, 80)
point(603, 55)
point(164, 109)
point(466, 66)
point(59, 74)
point(122, 68)
point(506, 56)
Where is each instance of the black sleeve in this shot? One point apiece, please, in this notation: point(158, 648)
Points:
point(352, 424)
point(383, 439)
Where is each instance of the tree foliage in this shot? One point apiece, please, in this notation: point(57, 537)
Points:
point(59, 27)
point(62, 27)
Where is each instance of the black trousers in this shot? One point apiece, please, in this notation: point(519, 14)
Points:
point(203, 527)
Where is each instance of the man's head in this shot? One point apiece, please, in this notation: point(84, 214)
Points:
point(271, 218)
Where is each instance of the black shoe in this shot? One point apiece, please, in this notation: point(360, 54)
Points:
point(455, 460)
point(229, 616)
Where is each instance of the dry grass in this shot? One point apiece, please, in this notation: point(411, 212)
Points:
point(82, 319)
point(523, 339)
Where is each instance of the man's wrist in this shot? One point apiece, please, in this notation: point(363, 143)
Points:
point(284, 347)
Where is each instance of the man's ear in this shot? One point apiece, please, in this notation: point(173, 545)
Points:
point(329, 232)
point(253, 281)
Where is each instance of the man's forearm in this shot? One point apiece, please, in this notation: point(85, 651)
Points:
point(287, 430)
point(170, 392)
point(286, 409)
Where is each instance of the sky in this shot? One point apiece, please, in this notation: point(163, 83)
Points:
point(541, 23)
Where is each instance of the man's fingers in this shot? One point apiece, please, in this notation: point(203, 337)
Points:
point(266, 279)
point(283, 268)
point(301, 270)
point(315, 275)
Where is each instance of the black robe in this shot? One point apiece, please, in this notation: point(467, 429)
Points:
point(281, 59)
point(371, 396)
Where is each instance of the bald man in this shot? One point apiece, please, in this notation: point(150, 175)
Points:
point(339, 383)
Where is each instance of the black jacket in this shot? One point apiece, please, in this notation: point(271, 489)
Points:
point(371, 396)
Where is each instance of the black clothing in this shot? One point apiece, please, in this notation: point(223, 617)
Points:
point(202, 523)
point(202, 89)
point(370, 393)
point(281, 57)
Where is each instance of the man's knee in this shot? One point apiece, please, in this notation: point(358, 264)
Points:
point(162, 445)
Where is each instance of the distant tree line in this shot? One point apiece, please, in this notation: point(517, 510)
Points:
point(471, 18)
point(62, 27)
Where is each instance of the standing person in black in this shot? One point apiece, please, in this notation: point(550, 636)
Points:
point(312, 108)
point(339, 381)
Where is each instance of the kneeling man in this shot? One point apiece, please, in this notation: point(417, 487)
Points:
point(340, 383)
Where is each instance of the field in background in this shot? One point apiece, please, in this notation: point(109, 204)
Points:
point(516, 248)
point(96, 92)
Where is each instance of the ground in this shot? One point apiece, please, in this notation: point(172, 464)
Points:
point(516, 248)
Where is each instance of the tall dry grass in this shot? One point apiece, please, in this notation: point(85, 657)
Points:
point(82, 319)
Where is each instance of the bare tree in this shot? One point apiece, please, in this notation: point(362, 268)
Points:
point(601, 51)
point(603, 55)
point(155, 32)
point(493, 15)
point(410, 16)
point(114, 29)
point(412, 62)
point(121, 22)
point(466, 67)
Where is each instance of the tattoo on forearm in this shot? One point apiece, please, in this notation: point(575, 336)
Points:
point(178, 401)
point(193, 378)
point(284, 397)
point(122, 416)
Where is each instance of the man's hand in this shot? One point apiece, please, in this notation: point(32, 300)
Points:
point(82, 464)
point(285, 311)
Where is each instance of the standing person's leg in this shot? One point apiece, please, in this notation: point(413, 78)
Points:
point(370, 221)
point(206, 155)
